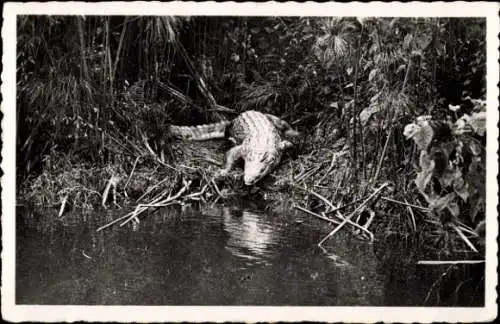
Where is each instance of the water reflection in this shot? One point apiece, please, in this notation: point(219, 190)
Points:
point(221, 255)
point(250, 237)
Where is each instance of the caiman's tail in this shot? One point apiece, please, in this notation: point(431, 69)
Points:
point(200, 132)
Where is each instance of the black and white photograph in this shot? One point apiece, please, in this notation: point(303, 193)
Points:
point(199, 157)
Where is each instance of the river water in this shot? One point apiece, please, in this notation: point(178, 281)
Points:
point(236, 255)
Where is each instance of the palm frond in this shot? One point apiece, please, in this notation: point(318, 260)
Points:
point(257, 95)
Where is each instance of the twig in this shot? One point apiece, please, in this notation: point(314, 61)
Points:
point(136, 211)
point(441, 262)
point(413, 221)
point(405, 204)
point(143, 208)
point(437, 282)
point(131, 173)
point(156, 157)
point(356, 225)
point(63, 205)
point(152, 188)
point(334, 158)
point(463, 237)
point(111, 182)
point(383, 155)
point(329, 204)
point(317, 215)
point(114, 221)
point(467, 230)
point(308, 173)
point(216, 188)
point(215, 201)
point(157, 204)
point(346, 219)
point(199, 193)
point(85, 255)
point(339, 184)
point(344, 206)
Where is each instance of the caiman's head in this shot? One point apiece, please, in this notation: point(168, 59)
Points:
point(259, 163)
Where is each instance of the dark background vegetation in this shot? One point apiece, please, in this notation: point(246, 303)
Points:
point(95, 93)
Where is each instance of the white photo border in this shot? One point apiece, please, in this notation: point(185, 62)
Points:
point(16, 313)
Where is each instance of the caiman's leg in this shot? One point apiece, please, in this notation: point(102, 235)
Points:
point(283, 126)
point(231, 157)
point(285, 144)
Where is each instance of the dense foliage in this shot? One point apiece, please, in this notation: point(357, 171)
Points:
point(100, 90)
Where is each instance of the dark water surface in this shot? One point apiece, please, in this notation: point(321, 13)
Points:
point(222, 256)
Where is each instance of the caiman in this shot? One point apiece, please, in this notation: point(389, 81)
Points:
point(258, 138)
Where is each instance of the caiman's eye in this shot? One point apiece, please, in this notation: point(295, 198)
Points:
point(265, 157)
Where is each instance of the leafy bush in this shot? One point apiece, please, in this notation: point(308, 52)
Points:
point(452, 162)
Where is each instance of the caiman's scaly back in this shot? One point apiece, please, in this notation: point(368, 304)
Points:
point(258, 137)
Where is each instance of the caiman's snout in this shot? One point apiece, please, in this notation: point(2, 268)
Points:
point(249, 180)
point(253, 173)
point(257, 168)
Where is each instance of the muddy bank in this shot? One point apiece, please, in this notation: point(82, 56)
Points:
point(128, 181)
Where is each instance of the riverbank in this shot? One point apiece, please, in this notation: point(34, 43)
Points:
point(64, 182)
point(315, 178)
